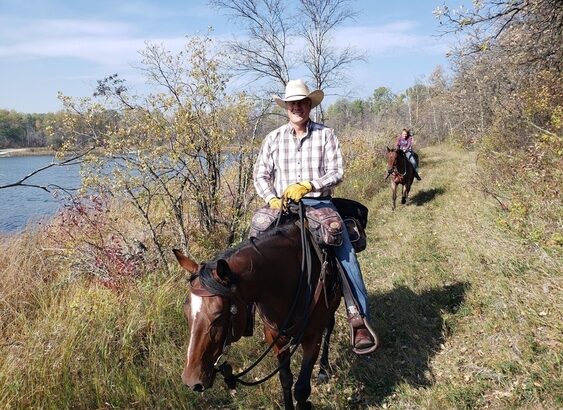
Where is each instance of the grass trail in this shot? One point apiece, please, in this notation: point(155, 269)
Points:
point(469, 316)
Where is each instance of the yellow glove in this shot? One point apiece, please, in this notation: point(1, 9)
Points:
point(275, 203)
point(297, 191)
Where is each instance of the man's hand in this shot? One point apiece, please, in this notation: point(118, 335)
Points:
point(297, 191)
point(275, 203)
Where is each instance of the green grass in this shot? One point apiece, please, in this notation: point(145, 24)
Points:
point(469, 316)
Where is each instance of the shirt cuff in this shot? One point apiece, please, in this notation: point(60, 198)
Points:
point(269, 198)
point(316, 185)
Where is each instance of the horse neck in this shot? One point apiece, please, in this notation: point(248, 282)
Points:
point(401, 162)
point(270, 265)
point(394, 160)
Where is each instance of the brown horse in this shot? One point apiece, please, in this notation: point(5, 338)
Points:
point(295, 307)
point(402, 173)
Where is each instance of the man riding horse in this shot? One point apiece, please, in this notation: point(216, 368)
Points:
point(302, 161)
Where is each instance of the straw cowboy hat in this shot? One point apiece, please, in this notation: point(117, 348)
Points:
point(296, 90)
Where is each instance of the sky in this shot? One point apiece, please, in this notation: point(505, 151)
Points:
point(51, 46)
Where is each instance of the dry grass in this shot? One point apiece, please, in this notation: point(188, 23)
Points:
point(468, 314)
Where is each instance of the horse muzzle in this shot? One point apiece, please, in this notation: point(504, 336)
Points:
point(198, 388)
point(389, 172)
point(198, 384)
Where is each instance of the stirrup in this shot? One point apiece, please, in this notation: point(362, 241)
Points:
point(356, 322)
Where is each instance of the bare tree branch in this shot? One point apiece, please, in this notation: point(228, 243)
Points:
point(49, 187)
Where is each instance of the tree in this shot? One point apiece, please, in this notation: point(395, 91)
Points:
point(534, 27)
point(266, 53)
point(180, 156)
point(506, 98)
point(12, 129)
point(381, 100)
point(325, 63)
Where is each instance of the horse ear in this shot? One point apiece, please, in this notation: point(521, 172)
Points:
point(186, 262)
point(388, 149)
point(223, 270)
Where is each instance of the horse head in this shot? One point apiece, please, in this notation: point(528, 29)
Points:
point(392, 159)
point(215, 318)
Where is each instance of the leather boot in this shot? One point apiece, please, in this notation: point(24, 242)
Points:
point(362, 338)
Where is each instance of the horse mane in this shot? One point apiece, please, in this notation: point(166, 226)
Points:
point(254, 242)
point(397, 150)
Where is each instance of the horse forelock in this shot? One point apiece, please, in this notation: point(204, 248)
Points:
point(209, 282)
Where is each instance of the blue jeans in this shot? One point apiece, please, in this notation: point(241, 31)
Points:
point(412, 159)
point(347, 256)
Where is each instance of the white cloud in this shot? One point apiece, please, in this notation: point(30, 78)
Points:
point(102, 42)
point(390, 39)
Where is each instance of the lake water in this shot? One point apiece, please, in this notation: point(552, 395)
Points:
point(22, 205)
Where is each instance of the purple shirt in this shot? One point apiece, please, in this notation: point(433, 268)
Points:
point(404, 144)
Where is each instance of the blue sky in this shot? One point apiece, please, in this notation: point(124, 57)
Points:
point(48, 46)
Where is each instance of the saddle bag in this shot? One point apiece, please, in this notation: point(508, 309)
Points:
point(356, 233)
point(325, 226)
point(355, 216)
point(262, 220)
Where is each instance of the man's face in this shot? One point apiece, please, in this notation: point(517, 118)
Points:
point(298, 111)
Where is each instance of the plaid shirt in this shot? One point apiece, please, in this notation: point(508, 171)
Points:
point(284, 160)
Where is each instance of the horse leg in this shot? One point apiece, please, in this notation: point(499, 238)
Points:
point(302, 389)
point(324, 365)
point(405, 192)
point(394, 193)
point(286, 379)
point(285, 375)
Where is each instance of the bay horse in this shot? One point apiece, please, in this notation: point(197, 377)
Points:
point(402, 172)
point(295, 310)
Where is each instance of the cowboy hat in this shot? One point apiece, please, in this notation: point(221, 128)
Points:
point(296, 90)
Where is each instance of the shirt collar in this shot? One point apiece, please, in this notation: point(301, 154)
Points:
point(307, 129)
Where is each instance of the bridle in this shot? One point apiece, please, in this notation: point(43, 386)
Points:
point(210, 287)
point(394, 169)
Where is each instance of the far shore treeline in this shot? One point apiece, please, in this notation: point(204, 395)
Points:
point(24, 130)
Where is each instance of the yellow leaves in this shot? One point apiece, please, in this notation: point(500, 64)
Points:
point(557, 117)
point(557, 238)
point(518, 209)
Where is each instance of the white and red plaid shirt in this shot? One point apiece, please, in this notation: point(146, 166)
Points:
point(284, 159)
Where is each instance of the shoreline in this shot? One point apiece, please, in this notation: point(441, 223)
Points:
point(25, 152)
